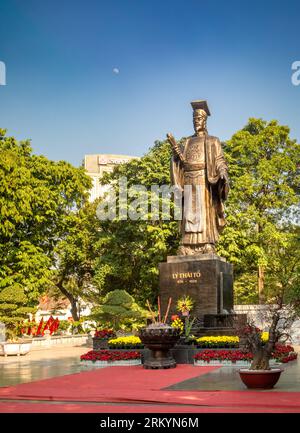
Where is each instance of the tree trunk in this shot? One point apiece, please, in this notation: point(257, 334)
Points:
point(72, 299)
point(74, 309)
point(262, 354)
point(260, 360)
point(261, 284)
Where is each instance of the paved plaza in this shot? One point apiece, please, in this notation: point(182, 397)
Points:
point(54, 381)
point(40, 364)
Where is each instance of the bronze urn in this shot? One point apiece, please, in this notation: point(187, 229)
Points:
point(159, 338)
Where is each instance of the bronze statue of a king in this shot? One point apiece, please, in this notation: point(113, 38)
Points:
point(199, 171)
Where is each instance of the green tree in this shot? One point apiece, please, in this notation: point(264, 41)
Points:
point(118, 307)
point(76, 253)
point(36, 195)
point(130, 251)
point(13, 309)
point(264, 175)
point(282, 282)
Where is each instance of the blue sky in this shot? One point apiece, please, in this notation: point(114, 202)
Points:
point(62, 92)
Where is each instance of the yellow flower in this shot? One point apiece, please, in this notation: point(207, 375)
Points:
point(229, 339)
point(178, 323)
point(264, 336)
point(130, 340)
point(185, 304)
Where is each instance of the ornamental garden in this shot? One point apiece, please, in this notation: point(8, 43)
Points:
point(53, 243)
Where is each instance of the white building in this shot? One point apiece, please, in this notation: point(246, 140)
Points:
point(97, 165)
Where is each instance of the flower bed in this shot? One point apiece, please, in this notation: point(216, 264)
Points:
point(130, 342)
point(218, 341)
point(282, 353)
point(223, 341)
point(108, 358)
point(223, 355)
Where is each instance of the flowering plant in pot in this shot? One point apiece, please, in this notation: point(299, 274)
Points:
point(101, 337)
point(185, 305)
point(260, 375)
point(104, 333)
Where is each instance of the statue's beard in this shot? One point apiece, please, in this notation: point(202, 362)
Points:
point(200, 128)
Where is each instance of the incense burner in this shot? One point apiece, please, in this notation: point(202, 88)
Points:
point(159, 338)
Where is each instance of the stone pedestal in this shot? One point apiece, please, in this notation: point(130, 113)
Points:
point(206, 278)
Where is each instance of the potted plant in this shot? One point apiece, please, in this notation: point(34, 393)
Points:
point(260, 375)
point(159, 337)
point(184, 306)
point(101, 338)
point(117, 307)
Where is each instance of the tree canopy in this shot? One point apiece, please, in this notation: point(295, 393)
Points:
point(75, 258)
point(263, 202)
point(36, 195)
point(130, 251)
point(117, 308)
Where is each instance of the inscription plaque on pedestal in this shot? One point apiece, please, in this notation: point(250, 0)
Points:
point(207, 279)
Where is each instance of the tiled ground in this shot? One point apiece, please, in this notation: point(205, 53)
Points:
point(52, 362)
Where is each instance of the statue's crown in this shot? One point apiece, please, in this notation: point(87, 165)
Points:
point(199, 106)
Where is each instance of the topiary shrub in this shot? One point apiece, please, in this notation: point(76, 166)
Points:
point(117, 308)
point(13, 310)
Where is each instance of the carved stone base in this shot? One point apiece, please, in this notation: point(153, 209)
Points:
point(188, 250)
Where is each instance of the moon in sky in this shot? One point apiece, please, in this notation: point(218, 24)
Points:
point(116, 70)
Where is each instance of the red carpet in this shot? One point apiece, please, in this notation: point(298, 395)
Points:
point(138, 390)
point(26, 407)
point(112, 383)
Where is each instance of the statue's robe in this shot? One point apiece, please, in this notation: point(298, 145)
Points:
point(198, 176)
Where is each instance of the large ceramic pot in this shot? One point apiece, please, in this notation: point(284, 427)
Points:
point(260, 379)
point(159, 340)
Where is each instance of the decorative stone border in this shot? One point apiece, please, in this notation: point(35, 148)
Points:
point(202, 363)
point(56, 340)
point(216, 362)
point(128, 362)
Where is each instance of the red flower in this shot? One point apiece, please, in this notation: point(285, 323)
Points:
point(282, 353)
point(104, 333)
point(109, 355)
point(222, 355)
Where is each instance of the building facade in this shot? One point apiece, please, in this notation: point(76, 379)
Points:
point(97, 165)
